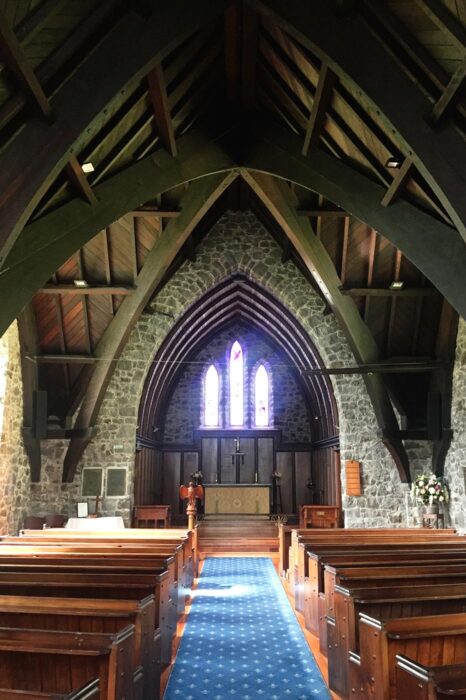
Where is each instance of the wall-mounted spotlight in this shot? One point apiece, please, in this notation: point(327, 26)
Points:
point(87, 168)
point(393, 162)
point(396, 284)
point(81, 284)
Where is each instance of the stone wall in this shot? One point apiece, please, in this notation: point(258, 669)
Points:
point(237, 243)
point(456, 458)
point(288, 405)
point(14, 467)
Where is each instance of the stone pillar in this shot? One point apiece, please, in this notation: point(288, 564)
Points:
point(14, 466)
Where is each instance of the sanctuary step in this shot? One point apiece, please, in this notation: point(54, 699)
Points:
point(224, 536)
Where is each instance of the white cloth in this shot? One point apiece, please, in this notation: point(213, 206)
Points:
point(116, 523)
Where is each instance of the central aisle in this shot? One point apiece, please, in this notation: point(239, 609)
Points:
point(242, 640)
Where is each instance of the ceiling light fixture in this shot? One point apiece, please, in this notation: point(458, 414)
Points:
point(397, 285)
point(81, 284)
point(393, 162)
point(88, 168)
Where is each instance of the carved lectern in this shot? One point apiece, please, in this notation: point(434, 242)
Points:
point(190, 493)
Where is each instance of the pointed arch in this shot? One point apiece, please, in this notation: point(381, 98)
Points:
point(262, 397)
point(236, 376)
point(211, 397)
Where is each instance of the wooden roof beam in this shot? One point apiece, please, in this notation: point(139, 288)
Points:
point(159, 98)
point(401, 177)
point(405, 292)
point(275, 150)
point(97, 290)
point(63, 359)
point(331, 213)
point(48, 242)
point(450, 95)
point(438, 155)
point(79, 180)
point(14, 57)
point(277, 197)
point(321, 103)
point(194, 204)
point(445, 21)
point(29, 164)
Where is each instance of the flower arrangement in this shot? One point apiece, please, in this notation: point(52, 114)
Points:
point(276, 475)
point(196, 476)
point(429, 490)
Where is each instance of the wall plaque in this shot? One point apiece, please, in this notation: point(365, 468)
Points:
point(116, 482)
point(92, 482)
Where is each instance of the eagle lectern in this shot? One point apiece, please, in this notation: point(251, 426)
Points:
point(190, 493)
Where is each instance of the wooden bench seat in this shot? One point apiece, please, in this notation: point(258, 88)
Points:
point(430, 639)
point(415, 681)
point(90, 691)
point(97, 585)
point(58, 662)
point(314, 610)
point(373, 544)
point(383, 603)
point(93, 615)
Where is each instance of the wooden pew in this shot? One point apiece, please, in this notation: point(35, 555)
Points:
point(429, 639)
point(94, 615)
point(416, 681)
point(317, 604)
point(56, 662)
point(90, 691)
point(96, 585)
point(384, 603)
point(44, 559)
point(360, 540)
point(60, 537)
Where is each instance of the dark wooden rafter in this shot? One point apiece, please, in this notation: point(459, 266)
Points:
point(401, 177)
point(159, 99)
point(370, 273)
point(250, 27)
point(196, 201)
point(79, 180)
point(84, 304)
point(445, 21)
point(344, 249)
point(442, 382)
point(99, 290)
point(47, 243)
point(322, 99)
point(437, 155)
point(27, 168)
point(29, 345)
point(13, 55)
point(452, 92)
point(405, 292)
point(320, 213)
point(276, 196)
point(416, 233)
point(393, 303)
point(425, 66)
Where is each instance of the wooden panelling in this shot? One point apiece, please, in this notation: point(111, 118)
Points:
point(209, 460)
point(303, 473)
point(285, 468)
point(265, 459)
point(171, 480)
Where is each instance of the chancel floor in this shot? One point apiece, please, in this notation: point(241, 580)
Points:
point(242, 639)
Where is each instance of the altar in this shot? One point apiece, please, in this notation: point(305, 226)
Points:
point(237, 499)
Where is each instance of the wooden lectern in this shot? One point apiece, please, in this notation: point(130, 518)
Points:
point(190, 493)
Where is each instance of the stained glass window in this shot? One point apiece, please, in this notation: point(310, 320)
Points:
point(261, 393)
point(211, 397)
point(236, 384)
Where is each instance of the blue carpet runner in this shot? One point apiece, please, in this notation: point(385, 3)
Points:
point(242, 640)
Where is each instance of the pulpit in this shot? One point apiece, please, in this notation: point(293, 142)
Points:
point(319, 516)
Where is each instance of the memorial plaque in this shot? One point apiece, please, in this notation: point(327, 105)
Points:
point(92, 482)
point(116, 482)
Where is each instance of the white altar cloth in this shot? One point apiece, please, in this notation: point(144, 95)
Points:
point(114, 523)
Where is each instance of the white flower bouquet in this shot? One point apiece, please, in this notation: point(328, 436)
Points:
point(429, 490)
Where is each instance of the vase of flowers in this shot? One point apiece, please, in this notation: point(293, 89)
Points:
point(429, 491)
point(196, 477)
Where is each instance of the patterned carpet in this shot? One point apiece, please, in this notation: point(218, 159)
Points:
point(242, 640)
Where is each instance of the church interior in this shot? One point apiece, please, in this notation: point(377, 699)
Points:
point(232, 349)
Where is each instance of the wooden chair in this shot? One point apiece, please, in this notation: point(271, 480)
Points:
point(151, 516)
point(34, 522)
point(55, 520)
